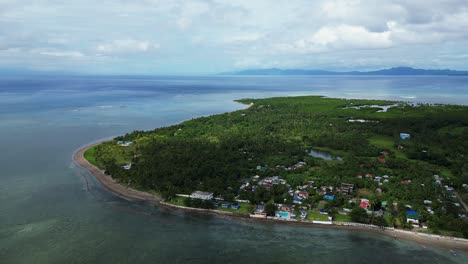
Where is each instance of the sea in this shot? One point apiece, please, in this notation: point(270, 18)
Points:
point(52, 211)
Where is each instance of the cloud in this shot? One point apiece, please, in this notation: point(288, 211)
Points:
point(70, 54)
point(126, 46)
point(217, 35)
point(345, 37)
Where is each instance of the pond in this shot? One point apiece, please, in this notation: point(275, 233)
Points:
point(323, 155)
point(384, 108)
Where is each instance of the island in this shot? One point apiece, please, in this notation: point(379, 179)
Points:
point(393, 167)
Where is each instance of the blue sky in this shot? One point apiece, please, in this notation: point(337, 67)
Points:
point(210, 36)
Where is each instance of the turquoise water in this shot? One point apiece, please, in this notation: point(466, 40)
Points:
point(48, 214)
point(283, 215)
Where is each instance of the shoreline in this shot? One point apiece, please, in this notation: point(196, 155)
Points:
point(130, 194)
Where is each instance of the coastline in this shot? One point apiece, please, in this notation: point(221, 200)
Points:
point(131, 194)
point(109, 183)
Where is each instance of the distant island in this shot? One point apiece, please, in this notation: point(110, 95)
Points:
point(362, 163)
point(391, 71)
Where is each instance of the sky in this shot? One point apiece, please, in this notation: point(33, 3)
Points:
point(212, 36)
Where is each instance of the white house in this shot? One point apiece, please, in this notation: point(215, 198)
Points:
point(201, 195)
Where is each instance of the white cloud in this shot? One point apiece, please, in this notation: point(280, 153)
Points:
point(70, 54)
point(242, 37)
point(342, 37)
point(201, 35)
point(126, 46)
point(184, 23)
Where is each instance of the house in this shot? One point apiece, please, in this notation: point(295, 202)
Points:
point(225, 205)
point(260, 208)
point(303, 214)
point(427, 202)
point(201, 195)
point(378, 191)
point(368, 175)
point(346, 188)
point(325, 189)
point(303, 194)
point(399, 146)
point(358, 176)
point(384, 204)
point(124, 143)
point(364, 204)
point(323, 211)
point(382, 160)
point(406, 182)
point(127, 166)
point(297, 199)
point(385, 152)
point(260, 211)
point(235, 206)
point(405, 136)
point(412, 217)
point(378, 213)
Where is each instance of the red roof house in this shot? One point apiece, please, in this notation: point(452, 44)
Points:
point(365, 204)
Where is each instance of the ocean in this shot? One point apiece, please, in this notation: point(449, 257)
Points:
point(51, 211)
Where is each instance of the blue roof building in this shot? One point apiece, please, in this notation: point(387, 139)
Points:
point(405, 136)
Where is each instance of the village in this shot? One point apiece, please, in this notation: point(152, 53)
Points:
point(348, 166)
point(325, 204)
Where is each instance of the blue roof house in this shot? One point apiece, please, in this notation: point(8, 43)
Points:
point(405, 136)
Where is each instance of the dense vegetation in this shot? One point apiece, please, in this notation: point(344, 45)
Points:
point(219, 153)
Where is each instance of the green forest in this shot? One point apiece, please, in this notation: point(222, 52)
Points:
point(221, 153)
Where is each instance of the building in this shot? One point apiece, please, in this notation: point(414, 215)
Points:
point(124, 143)
point(127, 166)
point(329, 197)
point(412, 217)
point(260, 211)
point(405, 136)
point(347, 188)
point(201, 195)
point(364, 204)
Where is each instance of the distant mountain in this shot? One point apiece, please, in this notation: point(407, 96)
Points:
point(391, 71)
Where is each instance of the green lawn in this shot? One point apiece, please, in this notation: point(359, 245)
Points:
point(245, 208)
point(386, 143)
point(90, 155)
point(177, 201)
point(311, 215)
point(342, 218)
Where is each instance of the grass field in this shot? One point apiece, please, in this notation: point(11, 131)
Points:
point(245, 208)
point(311, 215)
point(342, 218)
point(386, 143)
point(90, 155)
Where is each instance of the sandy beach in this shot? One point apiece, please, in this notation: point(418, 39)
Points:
point(130, 194)
point(109, 183)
